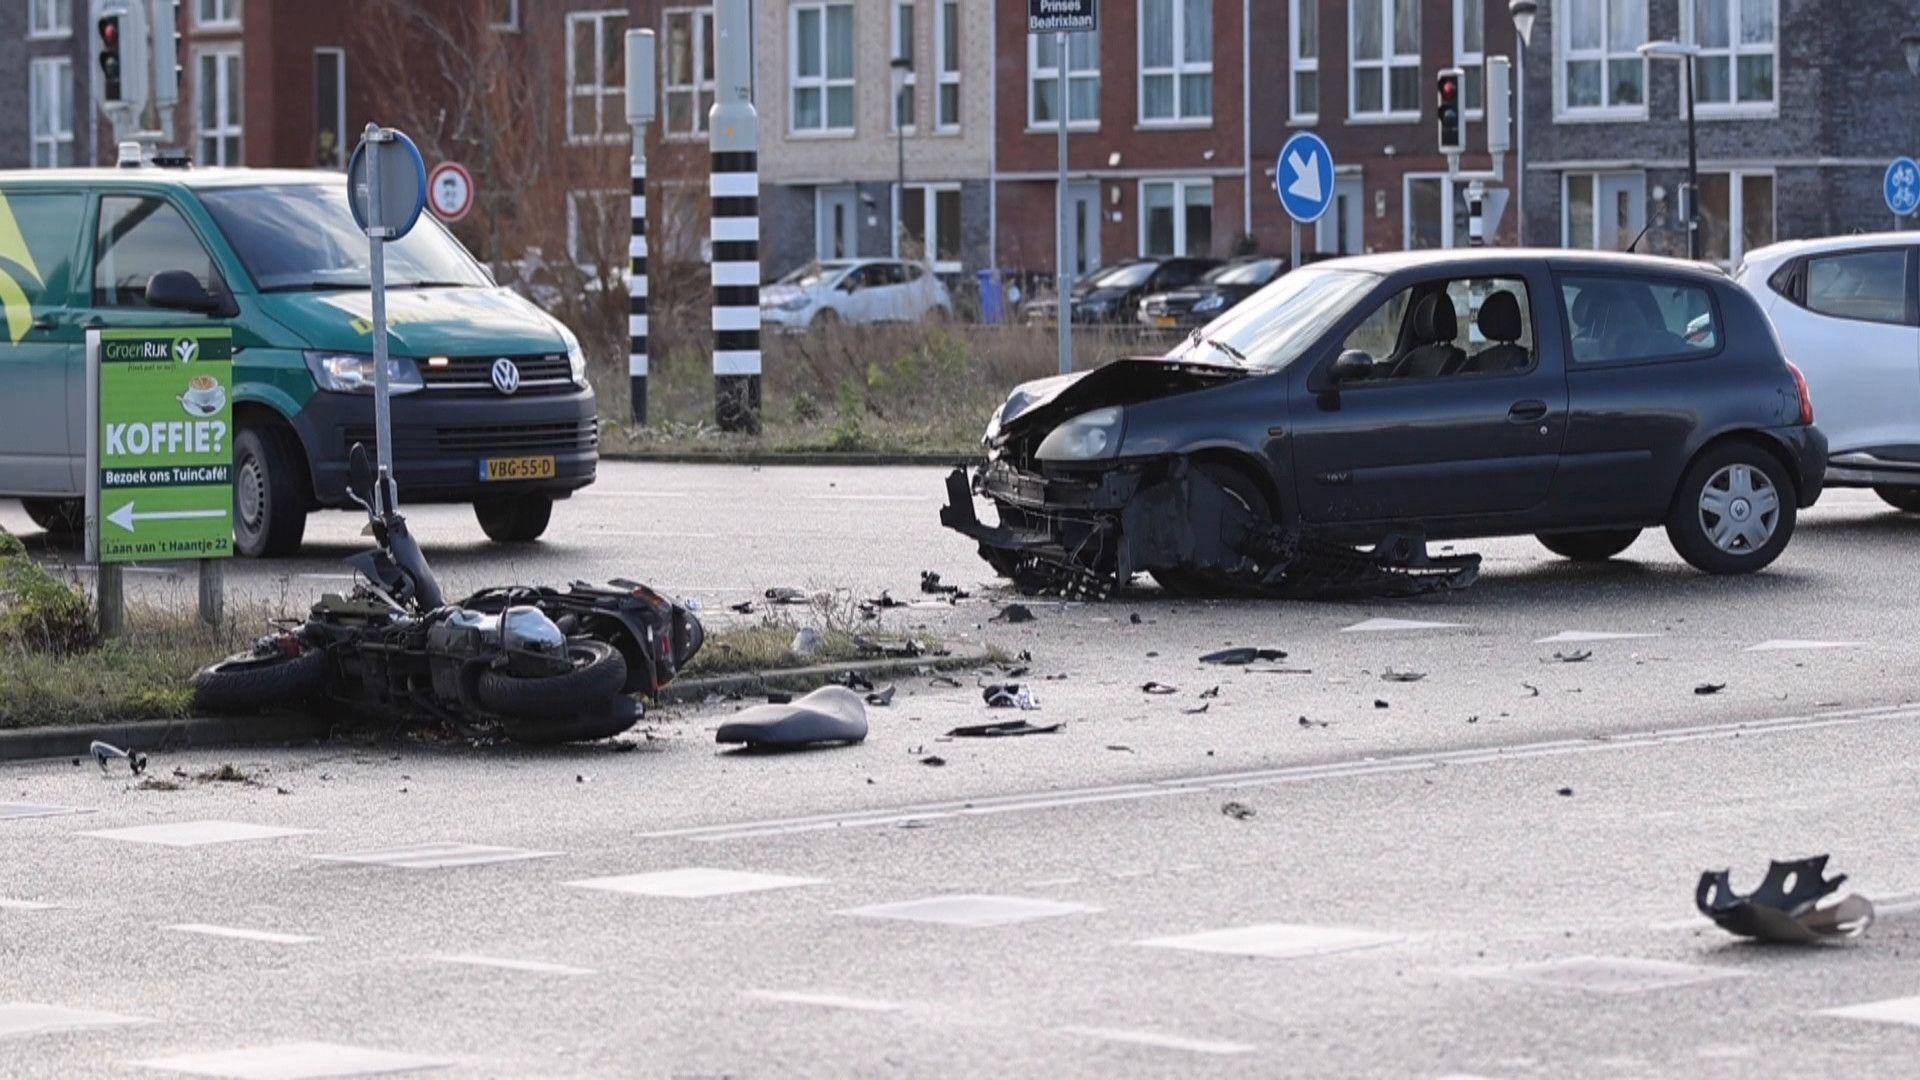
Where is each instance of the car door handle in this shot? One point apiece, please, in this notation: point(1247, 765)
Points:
point(1527, 411)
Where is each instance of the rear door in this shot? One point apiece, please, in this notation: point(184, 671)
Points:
point(42, 375)
point(1850, 321)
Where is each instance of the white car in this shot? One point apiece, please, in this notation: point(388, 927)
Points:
point(854, 291)
point(1845, 310)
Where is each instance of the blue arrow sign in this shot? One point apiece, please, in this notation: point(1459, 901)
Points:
point(1903, 186)
point(1304, 177)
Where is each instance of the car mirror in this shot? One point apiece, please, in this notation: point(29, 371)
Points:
point(360, 477)
point(178, 290)
point(1353, 365)
point(850, 285)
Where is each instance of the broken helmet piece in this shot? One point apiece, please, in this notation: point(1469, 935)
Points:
point(831, 714)
point(1786, 907)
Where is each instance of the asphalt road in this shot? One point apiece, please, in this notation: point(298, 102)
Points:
point(1486, 871)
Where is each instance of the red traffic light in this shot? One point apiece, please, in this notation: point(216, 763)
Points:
point(110, 30)
point(1449, 88)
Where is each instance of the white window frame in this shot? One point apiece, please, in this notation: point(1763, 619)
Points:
point(511, 24)
point(1298, 63)
point(1596, 176)
point(930, 222)
point(824, 82)
point(231, 20)
point(1180, 185)
point(701, 21)
point(944, 76)
point(44, 74)
point(1563, 53)
point(340, 104)
point(1470, 61)
point(57, 10)
point(1733, 52)
point(1179, 69)
point(1451, 191)
point(1037, 74)
point(225, 126)
point(910, 84)
point(1389, 59)
point(574, 199)
point(599, 89)
point(1736, 210)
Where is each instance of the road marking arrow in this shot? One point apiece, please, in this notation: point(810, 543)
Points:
point(1306, 176)
point(126, 517)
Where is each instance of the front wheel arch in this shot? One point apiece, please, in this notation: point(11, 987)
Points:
point(1248, 468)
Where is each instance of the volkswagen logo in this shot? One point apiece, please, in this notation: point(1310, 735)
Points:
point(506, 375)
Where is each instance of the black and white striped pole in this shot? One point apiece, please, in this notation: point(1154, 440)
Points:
point(640, 113)
point(734, 130)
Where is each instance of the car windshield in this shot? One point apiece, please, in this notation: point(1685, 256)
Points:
point(296, 237)
point(1280, 322)
point(1246, 273)
point(1123, 277)
point(813, 274)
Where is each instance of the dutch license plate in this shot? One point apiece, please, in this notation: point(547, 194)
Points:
point(516, 468)
point(1164, 320)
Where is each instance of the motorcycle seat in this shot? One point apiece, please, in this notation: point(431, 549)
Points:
point(831, 714)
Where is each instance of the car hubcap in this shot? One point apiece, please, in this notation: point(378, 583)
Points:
point(1739, 509)
point(251, 491)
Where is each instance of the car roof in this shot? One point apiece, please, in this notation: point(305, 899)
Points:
point(1560, 258)
point(183, 178)
point(1787, 249)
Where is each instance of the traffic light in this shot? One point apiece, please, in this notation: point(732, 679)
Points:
point(110, 59)
point(166, 53)
point(1447, 89)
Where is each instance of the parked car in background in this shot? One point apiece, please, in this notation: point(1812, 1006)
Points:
point(1112, 294)
point(854, 291)
point(1387, 400)
point(1844, 308)
point(1213, 295)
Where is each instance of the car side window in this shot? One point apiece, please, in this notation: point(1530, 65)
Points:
point(47, 223)
point(1621, 319)
point(138, 237)
point(1448, 328)
point(1865, 286)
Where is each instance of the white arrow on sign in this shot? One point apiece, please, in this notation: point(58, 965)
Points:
point(126, 517)
point(1306, 176)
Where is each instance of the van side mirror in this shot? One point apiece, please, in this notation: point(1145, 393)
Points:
point(178, 290)
point(360, 478)
point(1354, 365)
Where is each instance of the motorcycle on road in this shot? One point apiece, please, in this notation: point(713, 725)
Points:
point(536, 665)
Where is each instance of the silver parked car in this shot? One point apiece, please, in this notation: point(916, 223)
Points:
point(854, 291)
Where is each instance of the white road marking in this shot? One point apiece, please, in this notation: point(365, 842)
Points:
point(619, 534)
point(295, 1061)
point(25, 905)
point(328, 577)
point(1159, 1041)
point(9, 810)
point(241, 934)
point(437, 855)
point(828, 1001)
point(1902, 1010)
point(1376, 626)
point(1789, 644)
point(26, 1018)
point(533, 966)
point(963, 910)
point(693, 883)
point(196, 833)
point(872, 498)
point(1571, 636)
point(1277, 940)
point(1606, 974)
point(598, 494)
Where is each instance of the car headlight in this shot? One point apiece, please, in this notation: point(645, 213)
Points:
point(993, 426)
point(1087, 437)
point(1211, 303)
point(352, 373)
point(577, 365)
point(791, 303)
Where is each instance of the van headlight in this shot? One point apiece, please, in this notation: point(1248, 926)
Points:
point(1087, 437)
point(352, 373)
point(577, 365)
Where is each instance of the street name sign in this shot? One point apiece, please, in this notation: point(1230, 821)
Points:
point(164, 443)
point(1062, 16)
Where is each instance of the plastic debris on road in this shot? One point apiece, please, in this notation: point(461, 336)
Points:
point(1786, 908)
point(1003, 729)
point(1242, 656)
point(105, 752)
point(1014, 613)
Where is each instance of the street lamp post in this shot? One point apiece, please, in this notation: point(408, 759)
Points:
point(1523, 13)
point(1673, 50)
point(902, 67)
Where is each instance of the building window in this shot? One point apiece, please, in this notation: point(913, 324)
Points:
point(1176, 217)
point(1436, 212)
point(598, 227)
point(946, 51)
point(689, 75)
point(506, 15)
point(909, 78)
point(1176, 61)
point(49, 18)
point(1736, 215)
point(1383, 37)
point(216, 89)
point(216, 14)
point(1597, 68)
point(1605, 211)
point(1737, 41)
point(1083, 80)
point(935, 206)
point(330, 108)
point(596, 75)
point(1303, 59)
point(1470, 51)
point(50, 103)
point(820, 74)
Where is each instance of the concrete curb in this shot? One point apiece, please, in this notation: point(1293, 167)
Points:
point(27, 744)
point(774, 457)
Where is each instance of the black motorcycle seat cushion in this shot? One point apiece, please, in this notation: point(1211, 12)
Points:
point(831, 714)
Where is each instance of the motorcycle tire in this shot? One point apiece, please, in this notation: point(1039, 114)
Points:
point(579, 706)
point(246, 683)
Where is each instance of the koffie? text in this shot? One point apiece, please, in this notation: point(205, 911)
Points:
point(167, 437)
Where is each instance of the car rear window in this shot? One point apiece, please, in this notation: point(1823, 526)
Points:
point(1621, 319)
point(1867, 286)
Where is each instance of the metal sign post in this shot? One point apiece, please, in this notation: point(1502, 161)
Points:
point(387, 189)
point(1059, 17)
point(640, 112)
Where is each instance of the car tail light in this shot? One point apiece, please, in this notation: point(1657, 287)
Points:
point(1806, 395)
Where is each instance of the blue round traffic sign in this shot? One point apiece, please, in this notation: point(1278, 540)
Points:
point(1903, 186)
point(1304, 177)
point(403, 184)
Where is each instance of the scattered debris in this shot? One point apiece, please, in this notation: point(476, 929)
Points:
point(1159, 688)
point(1213, 693)
point(776, 697)
point(103, 752)
point(1473, 719)
point(1565, 793)
point(934, 760)
point(1202, 707)
point(806, 641)
point(905, 650)
point(1238, 811)
point(1577, 656)
point(622, 746)
point(1306, 723)
point(1532, 690)
point(1279, 671)
point(831, 714)
point(1014, 613)
point(946, 680)
point(783, 594)
point(1391, 675)
point(1707, 688)
point(229, 774)
point(1009, 696)
point(885, 601)
point(1242, 656)
point(1134, 618)
point(930, 584)
point(881, 697)
point(150, 783)
point(1380, 704)
point(853, 680)
point(1785, 908)
point(744, 607)
point(1003, 728)
point(1121, 747)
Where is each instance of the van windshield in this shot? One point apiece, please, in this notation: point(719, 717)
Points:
point(295, 237)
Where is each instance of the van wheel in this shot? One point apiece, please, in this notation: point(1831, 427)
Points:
point(269, 512)
point(1900, 498)
point(1597, 546)
point(1734, 512)
point(63, 519)
point(518, 519)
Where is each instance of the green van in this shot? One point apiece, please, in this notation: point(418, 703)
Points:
point(492, 402)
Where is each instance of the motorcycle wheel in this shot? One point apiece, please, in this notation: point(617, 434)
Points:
point(245, 682)
point(584, 704)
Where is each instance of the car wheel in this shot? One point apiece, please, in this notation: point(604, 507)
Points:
point(824, 318)
point(1597, 546)
point(63, 519)
point(269, 507)
point(1183, 581)
point(519, 519)
point(1900, 498)
point(1734, 512)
